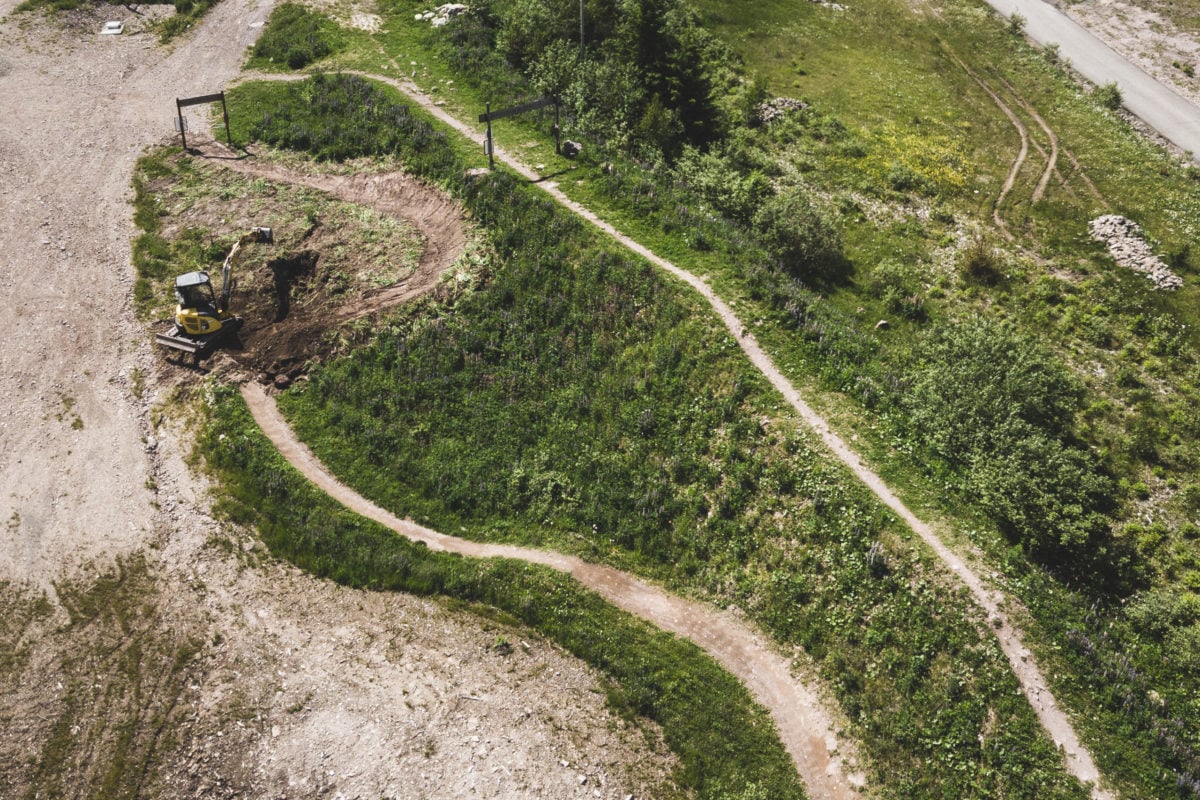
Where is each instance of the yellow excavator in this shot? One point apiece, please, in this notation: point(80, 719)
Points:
point(202, 319)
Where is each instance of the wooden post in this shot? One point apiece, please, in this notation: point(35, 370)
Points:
point(182, 129)
point(225, 113)
point(557, 131)
point(489, 146)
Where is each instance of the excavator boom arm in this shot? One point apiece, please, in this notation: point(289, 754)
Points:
point(253, 235)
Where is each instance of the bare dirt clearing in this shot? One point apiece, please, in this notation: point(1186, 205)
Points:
point(333, 260)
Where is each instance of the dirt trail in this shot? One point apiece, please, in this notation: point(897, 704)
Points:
point(1022, 154)
point(1052, 159)
point(805, 728)
point(1079, 761)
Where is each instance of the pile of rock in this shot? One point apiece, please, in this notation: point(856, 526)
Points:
point(1128, 247)
point(442, 15)
point(778, 108)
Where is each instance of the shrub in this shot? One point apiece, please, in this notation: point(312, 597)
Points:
point(980, 263)
point(1108, 96)
point(800, 239)
point(296, 37)
point(997, 407)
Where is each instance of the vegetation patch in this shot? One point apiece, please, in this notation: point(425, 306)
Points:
point(338, 117)
point(295, 37)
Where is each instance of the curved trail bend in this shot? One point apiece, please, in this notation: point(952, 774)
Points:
point(1078, 758)
point(439, 220)
point(805, 729)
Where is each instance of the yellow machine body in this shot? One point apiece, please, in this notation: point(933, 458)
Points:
point(198, 312)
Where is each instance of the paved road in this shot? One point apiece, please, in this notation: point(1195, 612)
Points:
point(1172, 115)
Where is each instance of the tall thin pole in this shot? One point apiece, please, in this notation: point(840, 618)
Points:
point(225, 113)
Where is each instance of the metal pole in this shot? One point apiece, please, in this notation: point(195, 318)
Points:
point(491, 159)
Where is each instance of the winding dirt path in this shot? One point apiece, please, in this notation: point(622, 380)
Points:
point(806, 730)
point(1078, 759)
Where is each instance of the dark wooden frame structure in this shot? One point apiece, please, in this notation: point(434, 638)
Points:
point(512, 111)
point(183, 102)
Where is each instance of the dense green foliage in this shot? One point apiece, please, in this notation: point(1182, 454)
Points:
point(296, 37)
point(648, 75)
point(337, 117)
point(799, 238)
point(722, 739)
point(998, 408)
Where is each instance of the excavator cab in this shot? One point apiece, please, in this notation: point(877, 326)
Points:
point(197, 312)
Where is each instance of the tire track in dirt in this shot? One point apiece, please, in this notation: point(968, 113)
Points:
point(806, 729)
point(1022, 154)
point(1052, 159)
point(1078, 759)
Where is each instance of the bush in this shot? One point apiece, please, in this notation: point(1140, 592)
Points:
point(1108, 96)
point(800, 239)
point(296, 37)
point(980, 263)
point(999, 409)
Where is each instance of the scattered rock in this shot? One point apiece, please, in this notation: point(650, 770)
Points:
point(1127, 245)
point(442, 15)
point(882, 325)
point(777, 108)
point(282, 381)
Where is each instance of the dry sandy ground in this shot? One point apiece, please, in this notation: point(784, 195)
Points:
point(1146, 38)
point(201, 668)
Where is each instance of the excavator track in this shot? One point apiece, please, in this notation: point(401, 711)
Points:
point(199, 347)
